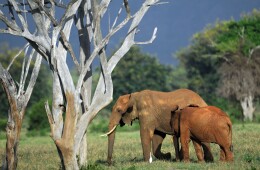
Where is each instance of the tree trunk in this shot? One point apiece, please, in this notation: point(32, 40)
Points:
point(248, 107)
point(67, 141)
point(83, 152)
point(13, 131)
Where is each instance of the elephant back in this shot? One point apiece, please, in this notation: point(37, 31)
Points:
point(186, 97)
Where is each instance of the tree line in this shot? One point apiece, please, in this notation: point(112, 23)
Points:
point(221, 64)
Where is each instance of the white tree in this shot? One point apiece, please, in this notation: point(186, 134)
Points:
point(18, 97)
point(73, 105)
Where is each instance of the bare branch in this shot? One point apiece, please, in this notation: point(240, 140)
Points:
point(45, 54)
point(9, 86)
point(159, 3)
point(127, 8)
point(34, 76)
point(152, 38)
point(21, 86)
point(70, 49)
point(26, 70)
point(129, 40)
point(14, 58)
point(18, 11)
point(96, 51)
point(11, 12)
point(38, 18)
point(10, 24)
point(103, 7)
point(58, 4)
point(85, 33)
point(70, 11)
point(49, 15)
point(115, 21)
point(50, 118)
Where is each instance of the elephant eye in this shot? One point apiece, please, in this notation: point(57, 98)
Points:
point(119, 110)
point(130, 109)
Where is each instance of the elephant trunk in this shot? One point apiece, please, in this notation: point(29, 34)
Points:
point(111, 140)
point(115, 120)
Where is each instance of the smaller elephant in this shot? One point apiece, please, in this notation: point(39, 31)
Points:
point(202, 125)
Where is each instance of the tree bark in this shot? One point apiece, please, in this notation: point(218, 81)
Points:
point(66, 143)
point(13, 131)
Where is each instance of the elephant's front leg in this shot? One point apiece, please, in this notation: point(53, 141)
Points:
point(157, 144)
point(198, 150)
point(146, 138)
point(185, 138)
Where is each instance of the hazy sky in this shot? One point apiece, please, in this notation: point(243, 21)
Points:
point(177, 21)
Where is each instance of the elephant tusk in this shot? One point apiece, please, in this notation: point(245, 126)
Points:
point(108, 133)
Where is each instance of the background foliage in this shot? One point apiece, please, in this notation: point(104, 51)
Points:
point(226, 41)
point(198, 69)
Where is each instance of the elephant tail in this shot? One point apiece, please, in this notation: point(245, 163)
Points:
point(230, 134)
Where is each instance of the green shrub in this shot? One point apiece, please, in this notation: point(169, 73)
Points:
point(99, 125)
point(41, 132)
point(37, 118)
point(3, 122)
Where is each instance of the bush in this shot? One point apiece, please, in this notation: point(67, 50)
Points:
point(41, 132)
point(3, 122)
point(37, 118)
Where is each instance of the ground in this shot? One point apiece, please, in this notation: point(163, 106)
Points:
point(40, 152)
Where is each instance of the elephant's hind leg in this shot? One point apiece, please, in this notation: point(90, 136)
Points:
point(222, 154)
point(157, 144)
point(208, 157)
point(228, 154)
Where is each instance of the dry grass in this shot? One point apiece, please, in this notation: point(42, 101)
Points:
point(40, 152)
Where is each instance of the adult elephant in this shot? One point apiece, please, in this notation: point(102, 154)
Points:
point(153, 109)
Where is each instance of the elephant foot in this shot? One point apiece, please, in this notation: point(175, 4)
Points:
point(186, 160)
point(162, 156)
point(109, 162)
point(177, 160)
point(208, 158)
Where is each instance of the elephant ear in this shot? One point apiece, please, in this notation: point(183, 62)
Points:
point(174, 108)
point(193, 105)
point(123, 103)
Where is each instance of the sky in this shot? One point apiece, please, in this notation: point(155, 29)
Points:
point(176, 21)
point(180, 19)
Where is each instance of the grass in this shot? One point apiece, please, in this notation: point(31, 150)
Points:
point(40, 152)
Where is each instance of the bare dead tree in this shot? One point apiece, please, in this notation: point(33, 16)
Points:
point(73, 105)
point(18, 98)
point(240, 78)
